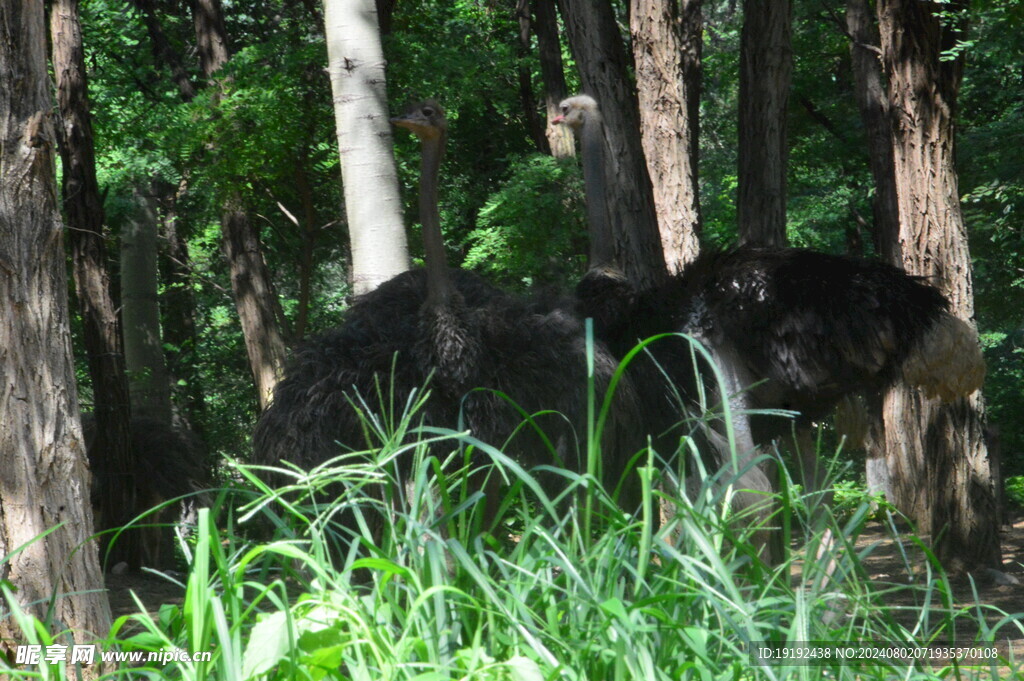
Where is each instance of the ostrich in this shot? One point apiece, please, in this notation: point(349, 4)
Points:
point(471, 341)
point(805, 329)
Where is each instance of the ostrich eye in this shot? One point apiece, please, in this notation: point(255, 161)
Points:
point(565, 109)
point(428, 111)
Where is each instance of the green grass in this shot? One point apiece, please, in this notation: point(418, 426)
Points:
point(394, 579)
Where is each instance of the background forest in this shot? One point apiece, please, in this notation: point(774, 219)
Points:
point(510, 210)
point(221, 219)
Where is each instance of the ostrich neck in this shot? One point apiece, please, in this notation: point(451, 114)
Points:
point(602, 250)
point(439, 285)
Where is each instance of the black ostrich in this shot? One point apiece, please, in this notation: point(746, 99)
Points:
point(804, 328)
point(474, 343)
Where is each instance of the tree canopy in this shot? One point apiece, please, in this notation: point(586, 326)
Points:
point(509, 210)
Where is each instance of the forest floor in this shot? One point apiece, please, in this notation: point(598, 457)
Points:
point(887, 565)
point(890, 564)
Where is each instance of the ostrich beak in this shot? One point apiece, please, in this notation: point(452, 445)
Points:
point(558, 119)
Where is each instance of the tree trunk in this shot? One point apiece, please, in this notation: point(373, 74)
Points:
point(308, 230)
point(45, 479)
point(552, 71)
point(534, 125)
point(211, 37)
point(766, 66)
point(869, 91)
point(946, 440)
point(163, 53)
point(372, 204)
point(143, 347)
point(255, 300)
point(102, 333)
point(178, 312)
point(257, 305)
point(601, 58)
point(667, 50)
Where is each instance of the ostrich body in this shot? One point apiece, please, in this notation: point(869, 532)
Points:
point(460, 333)
point(804, 328)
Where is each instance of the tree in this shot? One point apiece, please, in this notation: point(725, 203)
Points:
point(372, 204)
point(45, 476)
point(102, 330)
point(766, 67)
point(941, 443)
point(549, 50)
point(873, 106)
point(869, 91)
point(666, 50)
point(534, 125)
point(144, 349)
point(601, 58)
point(257, 304)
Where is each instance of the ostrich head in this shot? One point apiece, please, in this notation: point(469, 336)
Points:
point(583, 117)
point(425, 120)
point(576, 111)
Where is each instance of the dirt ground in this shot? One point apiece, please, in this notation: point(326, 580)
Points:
point(888, 565)
point(885, 564)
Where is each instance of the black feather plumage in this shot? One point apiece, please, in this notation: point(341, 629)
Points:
point(532, 352)
point(804, 328)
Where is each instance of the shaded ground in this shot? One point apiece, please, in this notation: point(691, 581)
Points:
point(904, 563)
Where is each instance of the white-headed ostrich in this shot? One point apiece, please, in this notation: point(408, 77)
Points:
point(804, 328)
point(461, 333)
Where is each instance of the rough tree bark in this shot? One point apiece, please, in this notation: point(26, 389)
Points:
point(83, 209)
point(601, 58)
point(372, 204)
point(255, 300)
point(45, 479)
point(766, 67)
point(946, 441)
point(869, 91)
point(552, 72)
point(667, 51)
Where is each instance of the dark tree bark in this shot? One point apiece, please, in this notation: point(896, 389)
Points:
point(869, 91)
point(945, 441)
point(45, 477)
point(308, 230)
point(552, 71)
point(601, 57)
point(534, 124)
point(667, 51)
point(766, 67)
point(101, 330)
point(255, 299)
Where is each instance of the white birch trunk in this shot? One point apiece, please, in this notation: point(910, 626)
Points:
point(372, 203)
